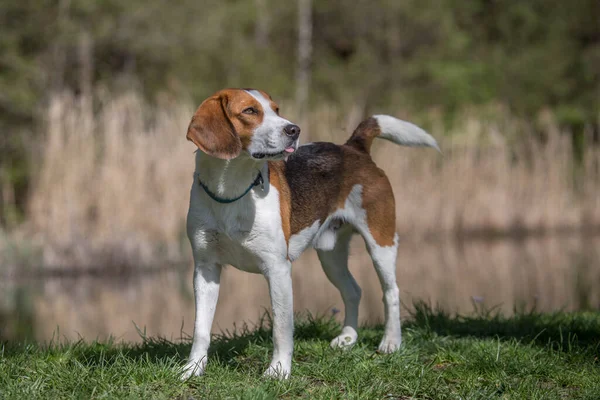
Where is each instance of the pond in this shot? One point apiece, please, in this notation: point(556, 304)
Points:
point(541, 273)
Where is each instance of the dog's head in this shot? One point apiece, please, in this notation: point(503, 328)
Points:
point(233, 121)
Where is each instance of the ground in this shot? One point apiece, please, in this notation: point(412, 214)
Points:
point(483, 356)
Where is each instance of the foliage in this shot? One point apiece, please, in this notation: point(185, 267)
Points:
point(530, 355)
point(378, 54)
point(452, 53)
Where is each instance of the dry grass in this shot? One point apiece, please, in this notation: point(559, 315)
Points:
point(113, 184)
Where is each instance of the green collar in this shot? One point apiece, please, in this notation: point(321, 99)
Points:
point(258, 181)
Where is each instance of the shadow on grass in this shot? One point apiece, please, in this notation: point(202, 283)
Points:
point(561, 330)
point(228, 348)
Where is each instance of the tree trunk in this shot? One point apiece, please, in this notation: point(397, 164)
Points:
point(86, 77)
point(58, 48)
point(304, 61)
point(261, 30)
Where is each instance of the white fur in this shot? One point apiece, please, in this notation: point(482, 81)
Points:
point(404, 133)
point(326, 240)
point(268, 137)
point(335, 265)
point(301, 240)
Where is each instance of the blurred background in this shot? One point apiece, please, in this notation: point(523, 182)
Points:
point(95, 171)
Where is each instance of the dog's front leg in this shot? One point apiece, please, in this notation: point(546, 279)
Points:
point(206, 292)
point(279, 279)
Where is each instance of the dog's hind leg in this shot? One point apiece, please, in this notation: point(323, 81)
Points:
point(384, 260)
point(335, 265)
point(378, 230)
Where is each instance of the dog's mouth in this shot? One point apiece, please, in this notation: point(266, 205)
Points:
point(279, 155)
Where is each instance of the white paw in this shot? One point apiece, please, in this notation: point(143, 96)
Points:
point(390, 344)
point(193, 368)
point(344, 341)
point(277, 371)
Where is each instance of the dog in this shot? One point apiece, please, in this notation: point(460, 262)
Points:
point(258, 200)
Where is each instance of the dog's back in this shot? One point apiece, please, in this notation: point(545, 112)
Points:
point(328, 185)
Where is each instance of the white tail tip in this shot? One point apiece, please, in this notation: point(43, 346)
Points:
point(404, 133)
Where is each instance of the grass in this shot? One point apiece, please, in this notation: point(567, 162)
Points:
point(526, 356)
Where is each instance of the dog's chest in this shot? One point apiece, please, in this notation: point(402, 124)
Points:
point(225, 239)
point(244, 234)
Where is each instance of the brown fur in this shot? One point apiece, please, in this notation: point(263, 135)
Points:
point(320, 178)
point(212, 131)
point(363, 135)
point(277, 179)
point(377, 195)
point(220, 128)
point(313, 174)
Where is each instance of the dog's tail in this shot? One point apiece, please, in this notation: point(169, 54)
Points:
point(392, 129)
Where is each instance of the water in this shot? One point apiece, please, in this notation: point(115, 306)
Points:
point(551, 273)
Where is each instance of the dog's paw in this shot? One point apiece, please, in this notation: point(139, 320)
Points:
point(389, 344)
point(343, 341)
point(193, 368)
point(277, 371)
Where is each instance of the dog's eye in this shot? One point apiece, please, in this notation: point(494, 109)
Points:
point(277, 111)
point(250, 110)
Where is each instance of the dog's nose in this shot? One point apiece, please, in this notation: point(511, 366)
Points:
point(292, 131)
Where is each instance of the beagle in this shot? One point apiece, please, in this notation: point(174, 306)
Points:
point(258, 200)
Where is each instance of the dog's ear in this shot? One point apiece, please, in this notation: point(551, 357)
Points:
point(212, 131)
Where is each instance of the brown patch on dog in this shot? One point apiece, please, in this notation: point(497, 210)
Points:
point(377, 194)
point(363, 135)
point(320, 178)
point(277, 179)
point(378, 202)
point(313, 174)
point(221, 128)
point(212, 131)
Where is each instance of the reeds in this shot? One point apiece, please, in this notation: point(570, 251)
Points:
point(113, 186)
point(113, 178)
